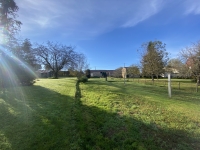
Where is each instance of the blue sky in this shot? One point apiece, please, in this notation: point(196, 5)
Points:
point(109, 32)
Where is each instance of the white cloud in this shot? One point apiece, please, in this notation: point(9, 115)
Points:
point(84, 19)
point(143, 11)
point(192, 7)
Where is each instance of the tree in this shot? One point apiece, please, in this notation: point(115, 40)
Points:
point(8, 22)
point(176, 65)
point(117, 72)
point(154, 58)
point(13, 72)
point(56, 57)
point(191, 58)
point(133, 71)
point(81, 65)
point(26, 54)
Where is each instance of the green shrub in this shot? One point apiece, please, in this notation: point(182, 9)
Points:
point(13, 73)
point(83, 79)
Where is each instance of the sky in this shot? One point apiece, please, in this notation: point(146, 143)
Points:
point(110, 32)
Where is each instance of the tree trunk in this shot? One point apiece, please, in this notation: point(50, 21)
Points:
point(197, 83)
point(198, 79)
point(55, 75)
point(152, 79)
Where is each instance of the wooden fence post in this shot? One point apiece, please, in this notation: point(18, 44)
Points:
point(169, 85)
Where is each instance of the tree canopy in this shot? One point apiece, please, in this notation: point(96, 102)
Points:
point(25, 52)
point(191, 58)
point(175, 65)
point(8, 23)
point(133, 71)
point(154, 58)
point(56, 57)
point(117, 72)
point(14, 72)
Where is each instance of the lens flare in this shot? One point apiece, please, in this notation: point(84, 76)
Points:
point(7, 73)
point(3, 35)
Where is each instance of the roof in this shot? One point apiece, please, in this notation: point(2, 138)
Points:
point(43, 71)
point(91, 71)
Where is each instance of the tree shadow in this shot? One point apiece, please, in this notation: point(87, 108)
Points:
point(39, 118)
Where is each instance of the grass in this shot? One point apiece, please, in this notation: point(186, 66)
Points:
point(60, 114)
point(137, 116)
point(37, 117)
point(186, 85)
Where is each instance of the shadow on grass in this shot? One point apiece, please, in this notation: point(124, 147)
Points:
point(35, 118)
point(39, 118)
point(102, 129)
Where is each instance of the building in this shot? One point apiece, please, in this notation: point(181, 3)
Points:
point(44, 73)
point(98, 73)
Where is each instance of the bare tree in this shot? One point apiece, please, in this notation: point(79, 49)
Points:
point(56, 57)
point(191, 57)
point(175, 65)
point(154, 58)
point(81, 65)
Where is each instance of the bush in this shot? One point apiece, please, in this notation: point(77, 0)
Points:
point(25, 76)
point(13, 73)
point(83, 79)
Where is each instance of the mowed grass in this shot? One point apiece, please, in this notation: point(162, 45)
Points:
point(37, 117)
point(138, 116)
point(99, 115)
point(186, 85)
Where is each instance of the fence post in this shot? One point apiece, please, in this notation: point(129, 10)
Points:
point(169, 86)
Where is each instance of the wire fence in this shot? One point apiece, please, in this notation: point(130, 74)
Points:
point(176, 84)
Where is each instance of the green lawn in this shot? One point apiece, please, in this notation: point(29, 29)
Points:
point(37, 117)
point(58, 114)
point(138, 116)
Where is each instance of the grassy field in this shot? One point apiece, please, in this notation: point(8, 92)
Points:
point(37, 117)
point(58, 114)
point(138, 116)
point(186, 85)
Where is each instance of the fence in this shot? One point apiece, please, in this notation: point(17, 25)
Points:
point(176, 84)
point(186, 85)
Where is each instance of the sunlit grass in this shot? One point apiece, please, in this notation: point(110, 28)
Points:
point(37, 117)
point(186, 85)
point(140, 116)
point(104, 115)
